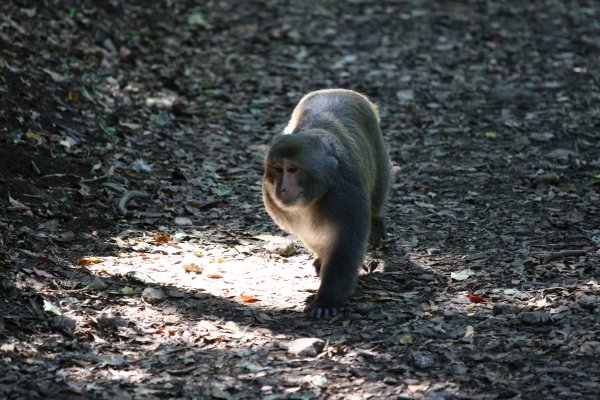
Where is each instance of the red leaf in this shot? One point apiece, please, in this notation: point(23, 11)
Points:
point(475, 299)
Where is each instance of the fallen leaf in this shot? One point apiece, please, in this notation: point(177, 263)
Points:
point(96, 284)
point(141, 277)
point(539, 303)
point(462, 275)
point(130, 125)
point(161, 238)
point(56, 77)
point(34, 136)
point(249, 299)
point(475, 299)
point(73, 96)
point(197, 19)
point(181, 221)
point(319, 380)
point(126, 290)
point(89, 260)
point(16, 205)
point(406, 339)
point(469, 332)
point(67, 142)
point(51, 308)
point(217, 393)
point(541, 136)
point(43, 273)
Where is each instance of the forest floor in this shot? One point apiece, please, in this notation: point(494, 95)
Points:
point(136, 257)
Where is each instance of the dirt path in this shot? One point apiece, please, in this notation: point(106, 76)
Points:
point(133, 241)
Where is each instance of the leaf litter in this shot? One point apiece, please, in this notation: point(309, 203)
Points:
point(136, 259)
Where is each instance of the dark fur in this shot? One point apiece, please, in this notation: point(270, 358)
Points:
point(344, 172)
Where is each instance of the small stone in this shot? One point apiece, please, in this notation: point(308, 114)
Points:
point(460, 369)
point(548, 178)
point(363, 308)
point(283, 246)
point(153, 295)
point(109, 320)
point(503, 308)
point(309, 347)
point(535, 318)
point(63, 323)
point(588, 302)
point(422, 360)
point(183, 221)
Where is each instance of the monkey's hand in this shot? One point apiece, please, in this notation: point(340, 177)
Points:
point(321, 309)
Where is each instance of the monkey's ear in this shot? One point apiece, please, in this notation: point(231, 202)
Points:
point(326, 146)
point(329, 155)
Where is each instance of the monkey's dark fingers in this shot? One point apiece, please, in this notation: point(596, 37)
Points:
point(320, 312)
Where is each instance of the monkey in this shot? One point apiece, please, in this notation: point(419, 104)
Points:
point(326, 180)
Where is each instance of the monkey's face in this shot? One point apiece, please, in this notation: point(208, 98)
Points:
point(288, 181)
point(298, 169)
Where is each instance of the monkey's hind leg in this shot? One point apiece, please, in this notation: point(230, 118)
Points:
point(377, 232)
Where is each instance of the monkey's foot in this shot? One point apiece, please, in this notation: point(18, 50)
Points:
point(318, 309)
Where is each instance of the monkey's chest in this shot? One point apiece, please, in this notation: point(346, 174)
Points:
point(315, 235)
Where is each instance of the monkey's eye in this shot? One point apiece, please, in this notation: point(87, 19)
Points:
point(278, 169)
point(291, 170)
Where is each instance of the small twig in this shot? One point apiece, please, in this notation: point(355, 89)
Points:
point(35, 168)
point(122, 206)
point(95, 179)
point(563, 254)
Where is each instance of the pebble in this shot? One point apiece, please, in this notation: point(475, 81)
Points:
point(309, 347)
point(153, 295)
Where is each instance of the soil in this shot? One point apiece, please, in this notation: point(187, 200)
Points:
point(136, 257)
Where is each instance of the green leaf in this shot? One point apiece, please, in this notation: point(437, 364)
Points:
point(127, 290)
point(222, 190)
point(51, 308)
point(406, 339)
point(161, 119)
point(197, 19)
point(109, 130)
point(12, 293)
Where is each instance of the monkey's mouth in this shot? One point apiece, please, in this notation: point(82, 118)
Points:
point(296, 200)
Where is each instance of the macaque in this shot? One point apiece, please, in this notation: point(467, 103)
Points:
point(326, 179)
